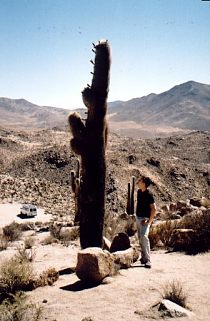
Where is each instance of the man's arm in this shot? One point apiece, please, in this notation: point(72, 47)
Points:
point(152, 213)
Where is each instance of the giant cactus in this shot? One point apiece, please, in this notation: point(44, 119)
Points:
point(89, 141)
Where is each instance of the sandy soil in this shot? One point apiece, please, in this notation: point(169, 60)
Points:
point(10, 212)
point(126, 296)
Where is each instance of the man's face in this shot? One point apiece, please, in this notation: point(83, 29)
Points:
point(141, 184)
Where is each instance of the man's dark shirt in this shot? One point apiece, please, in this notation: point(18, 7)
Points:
point(144, 199)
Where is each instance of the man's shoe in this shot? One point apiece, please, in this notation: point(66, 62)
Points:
point(148, 265)
point(143, 261)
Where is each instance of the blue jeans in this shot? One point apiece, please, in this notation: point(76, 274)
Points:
point(143, 232)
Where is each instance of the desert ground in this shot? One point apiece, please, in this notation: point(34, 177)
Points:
point(128, 296)
point(35, 168)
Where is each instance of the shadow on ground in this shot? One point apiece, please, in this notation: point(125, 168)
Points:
point(24, 216)
point(79, 286)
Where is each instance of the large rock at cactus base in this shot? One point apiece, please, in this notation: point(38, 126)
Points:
point(94, 264)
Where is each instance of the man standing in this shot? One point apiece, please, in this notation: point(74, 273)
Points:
point(145, 213)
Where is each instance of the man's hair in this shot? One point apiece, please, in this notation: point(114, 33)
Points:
point(147, 181)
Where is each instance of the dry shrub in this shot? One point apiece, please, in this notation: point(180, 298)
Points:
point(193, 243)
point(29, 242)
point(174, 292)
point(16, 275)
point(161, 233)
point(65, 236)
point(165, 231)
point(16, 309)
point(70, 234)
point(47, 277)
point(55, 230)
point(154, 237)
point(3, 243)
point(12, 232)
point(200, 223)
point(49, 240)
point(25, 254)
point(29, 226)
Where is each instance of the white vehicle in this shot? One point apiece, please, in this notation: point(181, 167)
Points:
point(28, 210)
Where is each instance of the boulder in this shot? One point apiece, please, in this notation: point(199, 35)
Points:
point(120, 242)
point(196, 202)
point(180, 204)
point(173, 310)
point(125, 223)
point(165, 208)
point(172, 207)
point(185, 210)
point(175, 216)
point(106, 244)
point(124, 259)
point(94, 264)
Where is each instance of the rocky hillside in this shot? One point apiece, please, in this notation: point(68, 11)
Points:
point(183, 108)
point(35, 167)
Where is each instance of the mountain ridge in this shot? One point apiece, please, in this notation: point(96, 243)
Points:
point(186, 106)
point(183, 107)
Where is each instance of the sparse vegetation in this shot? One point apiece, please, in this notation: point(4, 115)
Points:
point(49, 240)
point(29, 242)
point(161, 233)
point(175, 292)
point(12, 232)
point(55, 230)
point(65, 235)
point(3, 243)
point(47, 277)
point(196, 241)
point(17, 309)
point(16, 275)
point(25, 254)
point(200, 223)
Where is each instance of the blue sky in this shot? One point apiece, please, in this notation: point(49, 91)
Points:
point(46, 47)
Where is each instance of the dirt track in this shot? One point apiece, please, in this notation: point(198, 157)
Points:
point(10, 212)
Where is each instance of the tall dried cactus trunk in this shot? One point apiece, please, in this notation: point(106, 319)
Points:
point(89, 141)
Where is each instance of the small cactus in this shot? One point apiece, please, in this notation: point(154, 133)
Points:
point(130, 197)
point(75, 185)
point(89, 142)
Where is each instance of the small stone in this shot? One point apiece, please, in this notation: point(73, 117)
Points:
point(173, 310)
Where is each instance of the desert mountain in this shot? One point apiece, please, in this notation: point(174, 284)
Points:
point(186, 106)
point(183, 107)
point(20, 113)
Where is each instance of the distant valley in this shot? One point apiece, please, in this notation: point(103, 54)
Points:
point(183, 108)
